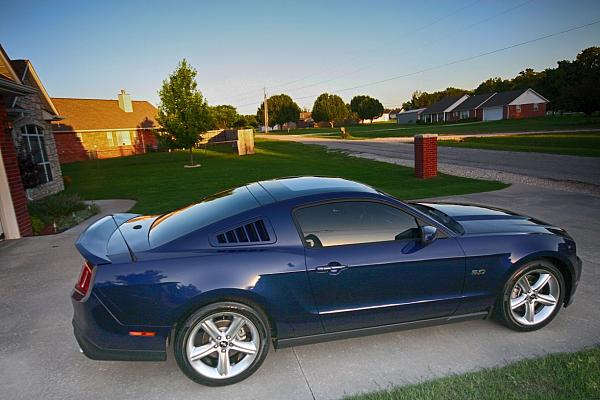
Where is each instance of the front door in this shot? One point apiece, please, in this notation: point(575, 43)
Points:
point(368, 267)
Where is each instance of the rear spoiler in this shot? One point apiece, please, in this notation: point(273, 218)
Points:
point(102, 242)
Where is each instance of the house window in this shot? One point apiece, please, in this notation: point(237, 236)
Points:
point(464, 114)
point(33, 138)
point(110, 139)
point(518, 107)
point(124, 138)
point(536, 107)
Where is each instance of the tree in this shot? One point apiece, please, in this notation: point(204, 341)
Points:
point(329, 108)
point(355, 102)
point(493, 85)
point(282, 109)
point(578, 89)
point(246, 121)
point(224, 116)
point(423, 99)
point(572, 86)
point(183, 113)
point(370, 108)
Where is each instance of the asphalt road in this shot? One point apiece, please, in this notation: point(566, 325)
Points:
point(39, 357)
point(459, 161)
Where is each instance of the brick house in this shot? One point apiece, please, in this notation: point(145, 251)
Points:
point(438, 111)
point(470, 108)
point(522, 103)
point(94, 128)
point(25, 115)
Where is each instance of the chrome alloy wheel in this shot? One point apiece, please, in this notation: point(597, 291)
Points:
point(223, 345)
point(534, 297)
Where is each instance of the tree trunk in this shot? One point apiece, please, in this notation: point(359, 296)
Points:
point(191, 156)
point(331, 123)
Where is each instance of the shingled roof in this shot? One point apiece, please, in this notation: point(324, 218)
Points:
point(96, 114)
point(441, 105)
point(503, 98)
point(473, 102)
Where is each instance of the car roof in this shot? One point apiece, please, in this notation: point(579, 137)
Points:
point(301, 186)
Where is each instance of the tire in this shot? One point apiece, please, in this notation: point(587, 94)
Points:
point(529, 310)
point(221, 360)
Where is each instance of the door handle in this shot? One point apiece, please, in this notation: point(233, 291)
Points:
point(333, 268)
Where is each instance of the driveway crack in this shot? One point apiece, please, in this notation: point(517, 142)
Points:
point(303, 374)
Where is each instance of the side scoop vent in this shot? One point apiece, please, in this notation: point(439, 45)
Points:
point(253, 232)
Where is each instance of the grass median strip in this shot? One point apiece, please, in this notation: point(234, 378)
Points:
point(391, 129)
point(558, 376)
point(577, 144)
point(159, 183)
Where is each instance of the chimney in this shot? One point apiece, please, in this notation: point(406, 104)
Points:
point(125, 102)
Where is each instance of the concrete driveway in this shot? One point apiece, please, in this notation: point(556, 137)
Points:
point(39, 357)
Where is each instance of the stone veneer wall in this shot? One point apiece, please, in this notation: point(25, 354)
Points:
point(33, 104)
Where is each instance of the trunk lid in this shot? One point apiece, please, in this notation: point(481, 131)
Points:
point(115, 238)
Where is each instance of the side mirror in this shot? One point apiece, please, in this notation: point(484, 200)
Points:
point(428, 234)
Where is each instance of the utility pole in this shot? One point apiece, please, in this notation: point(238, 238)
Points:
point(266, 111)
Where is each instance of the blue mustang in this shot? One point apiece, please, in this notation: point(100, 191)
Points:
point(307, 259)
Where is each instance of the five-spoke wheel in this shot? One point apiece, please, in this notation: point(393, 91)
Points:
point(222, 343)
point(533, 296)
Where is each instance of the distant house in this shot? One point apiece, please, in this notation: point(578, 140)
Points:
point(383, 118)
point(305, 120)
point(438, 111)
point(26, 111)
point(394, 112)
point(94, 128)
point(524, 103)
point(409, 116)
point(470, 108)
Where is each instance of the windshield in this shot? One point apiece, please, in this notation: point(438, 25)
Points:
point(210, 210)
point(440, 217)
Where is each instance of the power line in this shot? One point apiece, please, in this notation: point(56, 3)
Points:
point(430, 41)
point(245, 95)
point(459, 60)
point(472, 57)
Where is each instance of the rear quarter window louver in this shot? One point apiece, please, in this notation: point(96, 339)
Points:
point(248, 233)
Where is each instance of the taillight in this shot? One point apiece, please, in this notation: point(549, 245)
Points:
point(85, 279)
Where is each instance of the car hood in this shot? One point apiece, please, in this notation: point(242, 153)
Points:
point(478, 220)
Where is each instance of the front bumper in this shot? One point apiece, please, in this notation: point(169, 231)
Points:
point(101, 337)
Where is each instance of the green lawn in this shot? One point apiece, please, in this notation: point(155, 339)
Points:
point(159, 182)
point(391, 129)
point(577, 144)
point(559, 376)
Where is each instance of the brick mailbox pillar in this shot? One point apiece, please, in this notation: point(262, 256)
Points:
point(425, 156)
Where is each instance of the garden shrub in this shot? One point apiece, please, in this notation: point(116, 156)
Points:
point(37, 225)
point(58, 209)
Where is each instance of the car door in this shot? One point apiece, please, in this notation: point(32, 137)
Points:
point(367, 265)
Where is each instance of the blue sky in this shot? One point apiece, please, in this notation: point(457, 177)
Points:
point(94, 49)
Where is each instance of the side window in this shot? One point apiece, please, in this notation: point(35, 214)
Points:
point(124, 139)
point(353, 222)
point(33, 136)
